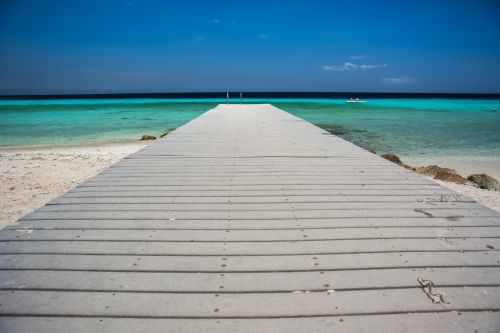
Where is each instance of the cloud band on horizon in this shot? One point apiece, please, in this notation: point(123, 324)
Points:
point(349, 66)
point(398, 80)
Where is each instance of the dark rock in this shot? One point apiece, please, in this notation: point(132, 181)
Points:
point(450, 176)
point(395, 159)
point(432, 170)
point(148, 137)
point(485, 182)
point(446, 174)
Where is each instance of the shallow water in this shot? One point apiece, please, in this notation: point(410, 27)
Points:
point(409, 127)
point(89, 121)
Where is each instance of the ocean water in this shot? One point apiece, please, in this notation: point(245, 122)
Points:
point(408, 127)
point(55, 122)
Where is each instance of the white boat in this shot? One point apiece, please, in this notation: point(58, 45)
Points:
point(357, 100)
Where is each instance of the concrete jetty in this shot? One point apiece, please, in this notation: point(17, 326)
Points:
point(250, 219)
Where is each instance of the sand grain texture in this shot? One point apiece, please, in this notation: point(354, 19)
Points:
point(31, 177)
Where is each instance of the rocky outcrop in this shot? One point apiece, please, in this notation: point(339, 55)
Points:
point(446, 174)
point(449, 175)
point(432, 170)
point(395, 159)
point(485, 182)
point(148, 137)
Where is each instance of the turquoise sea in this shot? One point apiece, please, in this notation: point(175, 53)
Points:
point(411, 127)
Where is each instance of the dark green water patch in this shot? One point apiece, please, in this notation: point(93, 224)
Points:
point(363, 138)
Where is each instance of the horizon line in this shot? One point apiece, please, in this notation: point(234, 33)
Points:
point(253, 94)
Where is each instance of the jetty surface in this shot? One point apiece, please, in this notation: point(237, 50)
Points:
point(250, 219)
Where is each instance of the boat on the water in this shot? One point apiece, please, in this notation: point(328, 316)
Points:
point(355, 100)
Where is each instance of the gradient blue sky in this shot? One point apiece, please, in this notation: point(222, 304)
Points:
point(52, 47)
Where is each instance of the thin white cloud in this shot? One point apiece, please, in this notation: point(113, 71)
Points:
point(398, 80)
point(214, 21)
point(349, 66)
point(200, 38)
point(329, 68)
point(366, 67)
point(263, 36)
point(358, 57)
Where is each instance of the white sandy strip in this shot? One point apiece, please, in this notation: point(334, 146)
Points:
point(488, 198)
point(464, 165)
point(31, 177)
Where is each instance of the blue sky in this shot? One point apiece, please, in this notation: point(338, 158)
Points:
point(52, 47)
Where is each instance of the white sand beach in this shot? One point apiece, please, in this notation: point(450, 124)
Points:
point(487, 198)
point(464, 165)
point(30, 177)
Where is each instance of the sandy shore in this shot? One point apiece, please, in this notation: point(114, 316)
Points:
point(464, 165)
point(487, 198)
point(30, 177)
